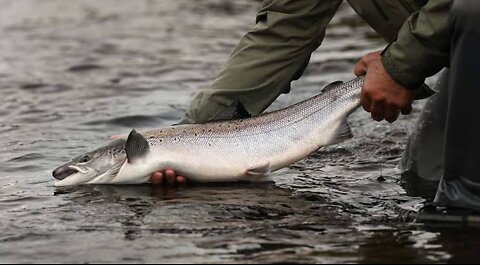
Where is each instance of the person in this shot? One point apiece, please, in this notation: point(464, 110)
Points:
point(423, 36)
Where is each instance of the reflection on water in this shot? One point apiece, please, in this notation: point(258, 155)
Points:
point(72, 73)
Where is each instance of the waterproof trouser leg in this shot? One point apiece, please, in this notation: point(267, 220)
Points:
point(424, 153)
point(460, 184)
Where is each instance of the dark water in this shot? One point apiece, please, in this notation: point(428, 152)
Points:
point(72, 73)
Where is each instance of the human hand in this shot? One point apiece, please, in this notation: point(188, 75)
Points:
point(382, 96)
point(167, 176)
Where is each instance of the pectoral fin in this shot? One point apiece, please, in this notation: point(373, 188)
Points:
point(136, 147)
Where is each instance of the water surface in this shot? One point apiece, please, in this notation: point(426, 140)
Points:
point(72, 73)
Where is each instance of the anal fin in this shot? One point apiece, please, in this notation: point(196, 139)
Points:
point(259, 171)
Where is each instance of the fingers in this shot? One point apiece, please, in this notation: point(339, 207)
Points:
point(377, 110)
point(366, 102)
point(116, 136)
point(381, 95)
point(181, 180)
point(362, 65)
point(113, 137)
point(170, 176)
point(380, 110)
point(375, 107)
point(167, 177)
point(156, 178)
point(406, 109)
point(360, 68)
point(391, 113)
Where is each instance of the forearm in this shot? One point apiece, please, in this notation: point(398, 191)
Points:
point(268, 58)
point(422, 46)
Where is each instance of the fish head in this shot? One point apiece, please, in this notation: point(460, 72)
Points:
point(104, 162)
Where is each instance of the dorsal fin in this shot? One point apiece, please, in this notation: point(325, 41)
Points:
point(232, 112)
point(136, 146)
point(331, 86)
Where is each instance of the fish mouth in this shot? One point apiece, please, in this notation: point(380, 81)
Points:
point(79, 169)
point(74, 175)
point(64, 172)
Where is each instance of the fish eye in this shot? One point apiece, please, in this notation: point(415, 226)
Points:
point(84, 158)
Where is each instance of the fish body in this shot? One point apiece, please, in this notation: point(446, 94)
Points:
point(232, 150)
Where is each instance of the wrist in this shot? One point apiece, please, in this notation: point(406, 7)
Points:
point(398, 72)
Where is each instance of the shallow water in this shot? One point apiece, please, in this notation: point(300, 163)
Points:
point(72, 73)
